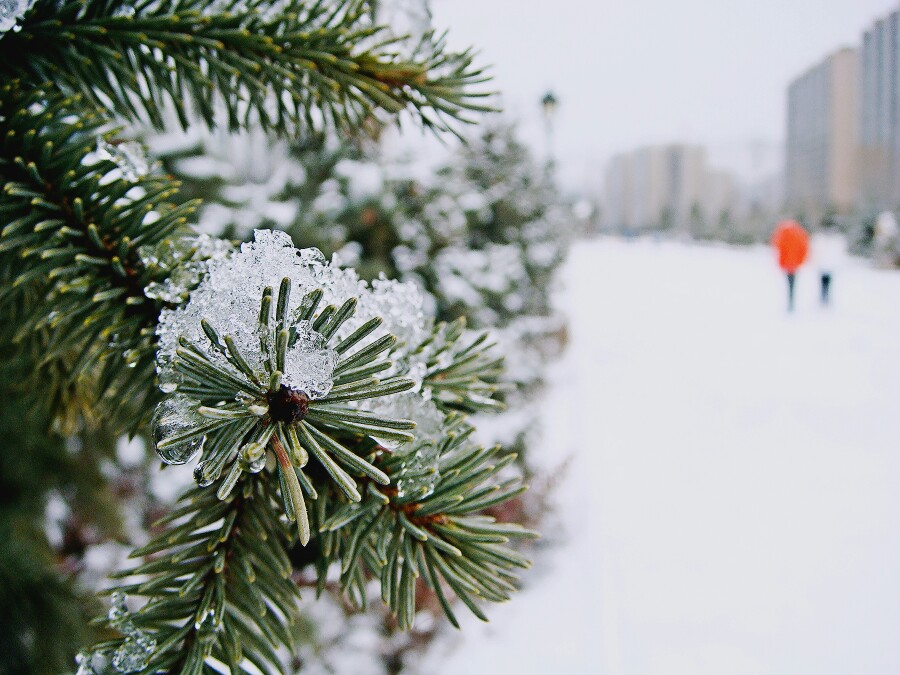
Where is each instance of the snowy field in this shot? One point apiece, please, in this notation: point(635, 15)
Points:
point(733, 500)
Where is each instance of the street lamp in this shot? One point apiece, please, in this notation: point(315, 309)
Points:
point(549, 103)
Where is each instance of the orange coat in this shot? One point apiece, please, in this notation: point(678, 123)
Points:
point(791, 242)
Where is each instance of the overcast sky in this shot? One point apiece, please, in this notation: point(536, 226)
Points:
point(630, 72)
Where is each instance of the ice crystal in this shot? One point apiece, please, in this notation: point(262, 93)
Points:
point(10, 13)
point(118, 609)
point(419, 474)
point(169, 290)
point(173, 417)
point(133, 654)
point(416, 370)
point(309, 364)
point(409, 406)
point(129, 156)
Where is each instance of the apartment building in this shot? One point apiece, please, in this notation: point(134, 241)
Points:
point(822, 151)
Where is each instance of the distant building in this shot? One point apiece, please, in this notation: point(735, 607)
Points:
point(822, 153)
point(721, 194)
point(880, 115)
point(620, 211)
point(666, 187)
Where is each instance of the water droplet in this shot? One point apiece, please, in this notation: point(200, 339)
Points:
point(207, 623)
point(252, 457)
point(174, 418)
point(118, 609)
point(228, 292)
point(203, 474)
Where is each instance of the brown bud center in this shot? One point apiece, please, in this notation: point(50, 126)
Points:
point(287, 405)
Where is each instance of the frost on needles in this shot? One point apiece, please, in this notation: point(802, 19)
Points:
point(273, 335)
point(229, 299)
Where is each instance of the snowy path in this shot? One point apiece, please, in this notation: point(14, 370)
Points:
point(733, 505)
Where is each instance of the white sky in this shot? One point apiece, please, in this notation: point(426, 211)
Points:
point(629, 72)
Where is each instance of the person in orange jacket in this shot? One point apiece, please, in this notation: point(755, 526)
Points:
point(791, 243)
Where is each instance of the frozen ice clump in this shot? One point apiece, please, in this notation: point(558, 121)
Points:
point(173, 417)
point(129, 657)
point(186, 260)
point(419, 473)
point(133, 654)
point(309, 365)
point(229, 298)
point(401, 305)
point(229, 295)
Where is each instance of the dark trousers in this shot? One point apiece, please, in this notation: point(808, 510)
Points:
point(790, 280)
point(826, 288)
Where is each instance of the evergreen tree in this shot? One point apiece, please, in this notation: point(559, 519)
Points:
point(483, 235)
point(331, 415)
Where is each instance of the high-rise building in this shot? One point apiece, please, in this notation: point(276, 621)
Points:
point(880, 115)
point(822, 153)
point(665, 187)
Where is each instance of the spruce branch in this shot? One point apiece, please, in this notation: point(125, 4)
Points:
point(217, 585)
point(438, 535)
point(294, 68)
point(320, 391)
point(462, 372)
point(72, 240)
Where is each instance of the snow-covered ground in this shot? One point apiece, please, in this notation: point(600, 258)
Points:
point(733, 501)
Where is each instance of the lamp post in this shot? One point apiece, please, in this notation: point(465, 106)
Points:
point(549, 104)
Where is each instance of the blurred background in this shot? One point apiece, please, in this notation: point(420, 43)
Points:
point(730, 486)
